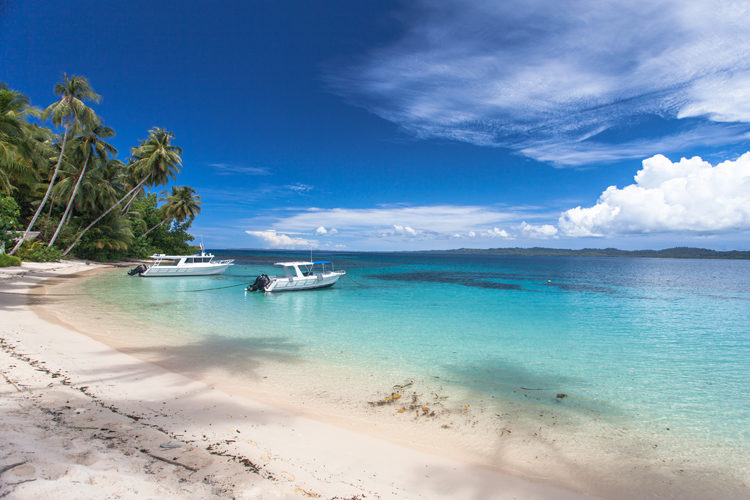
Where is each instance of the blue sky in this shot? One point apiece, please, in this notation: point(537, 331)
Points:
point(424, 124)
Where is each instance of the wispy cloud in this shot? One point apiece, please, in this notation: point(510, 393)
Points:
point(442, 219)
point(232, 169)
point(244, 196)
point(381, 226)
point(580, 153)
point(299, 187)
point(534, 77)
point(280, 240)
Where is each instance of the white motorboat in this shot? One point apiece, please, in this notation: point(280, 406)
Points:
point(201, 264)
point(298, 276)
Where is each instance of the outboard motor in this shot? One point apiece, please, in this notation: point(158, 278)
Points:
point(139, 269)
point(261, 282)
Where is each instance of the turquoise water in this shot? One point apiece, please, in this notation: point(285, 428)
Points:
point(652, 342)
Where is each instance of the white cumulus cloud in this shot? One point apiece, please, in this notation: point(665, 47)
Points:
point(540, 231)
point(322, 231)
point(399, 229)
point(494, 233)
point(691, 195)
point(280, 240)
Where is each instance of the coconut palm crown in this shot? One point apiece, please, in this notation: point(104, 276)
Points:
point(182, 204)
point(17, 144)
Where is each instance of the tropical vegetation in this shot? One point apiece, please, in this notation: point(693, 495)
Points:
point(64, 192)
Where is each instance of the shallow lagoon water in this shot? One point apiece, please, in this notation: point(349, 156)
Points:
point(651, 343)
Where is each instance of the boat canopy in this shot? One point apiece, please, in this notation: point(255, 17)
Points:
point(161, 256)
point(292, 264)
point(305, 263)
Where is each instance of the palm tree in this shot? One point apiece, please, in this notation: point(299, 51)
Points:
point(68, 111)
point(156, 161)
point(102, 187)
point(181, 204)
point(16, 138)
point(91, 144)
point(156, 158)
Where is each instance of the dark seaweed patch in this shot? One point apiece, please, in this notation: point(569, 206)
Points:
point(478, 280)
point(583, 287)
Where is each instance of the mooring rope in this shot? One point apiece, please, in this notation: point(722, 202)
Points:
point(355, 281)
point(214, 288)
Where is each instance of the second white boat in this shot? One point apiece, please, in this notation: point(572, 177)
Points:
point(298, 276)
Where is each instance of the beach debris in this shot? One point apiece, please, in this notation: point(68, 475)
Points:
point(11, 382)
point(466, 407)
point(170, 445)
point(11, 466)
point(401, 410)
point(306, 493)
point(173, 462)
point(400, 387)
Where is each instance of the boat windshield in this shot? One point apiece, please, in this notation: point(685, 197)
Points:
point(198, 259)
point(308, 268)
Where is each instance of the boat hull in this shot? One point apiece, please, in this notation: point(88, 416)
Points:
point(291, 284)
point(172, 271)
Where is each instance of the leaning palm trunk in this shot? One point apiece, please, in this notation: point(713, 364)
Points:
point(157, 225)
point(126, 208)
point(70, 202)
point(80, 235)
point(46, 195)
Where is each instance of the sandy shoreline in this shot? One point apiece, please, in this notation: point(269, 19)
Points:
point(86, 421)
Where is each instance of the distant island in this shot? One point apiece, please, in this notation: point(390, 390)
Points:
point(667, 253)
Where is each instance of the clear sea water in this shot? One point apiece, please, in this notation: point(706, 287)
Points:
point(653, 342)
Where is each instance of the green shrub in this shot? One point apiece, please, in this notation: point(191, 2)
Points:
point(9, 212)
point(37, 251)
point(9, 260)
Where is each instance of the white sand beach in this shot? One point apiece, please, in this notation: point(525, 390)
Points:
point(96, 404)
point(79, 419)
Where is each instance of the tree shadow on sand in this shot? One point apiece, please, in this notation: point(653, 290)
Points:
point(17, 292)
point(240, 357)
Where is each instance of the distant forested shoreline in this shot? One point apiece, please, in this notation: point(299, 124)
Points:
point(667, 253)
